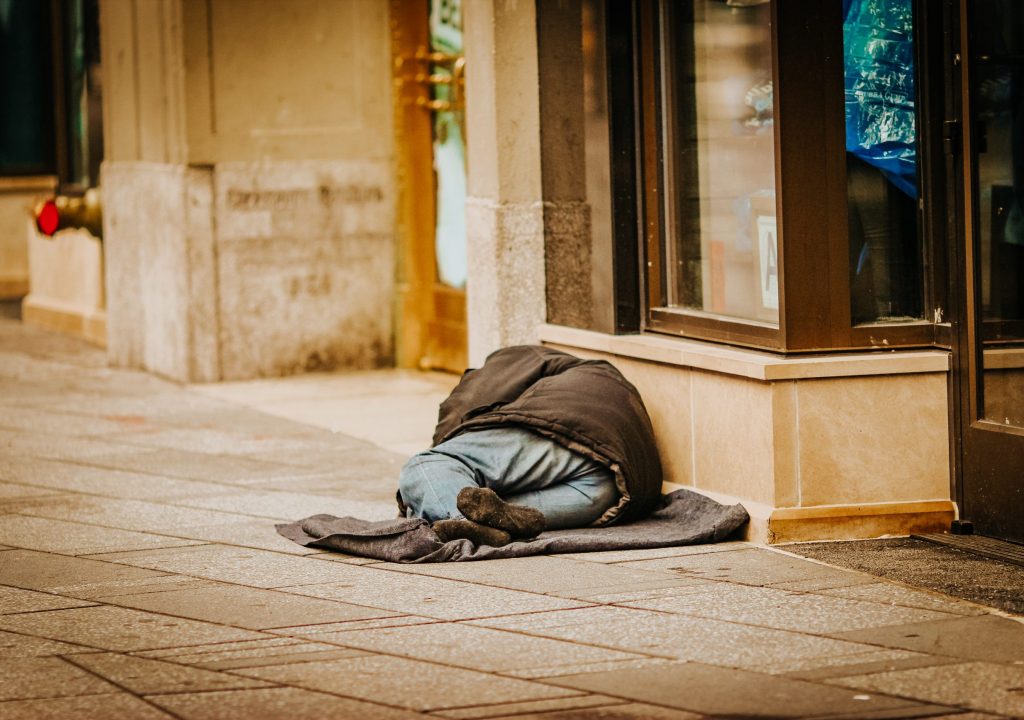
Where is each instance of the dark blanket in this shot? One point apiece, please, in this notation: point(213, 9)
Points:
point(681, 518)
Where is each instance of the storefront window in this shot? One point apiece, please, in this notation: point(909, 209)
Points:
point(721, 250)
point(882, 161)
point(26, 84)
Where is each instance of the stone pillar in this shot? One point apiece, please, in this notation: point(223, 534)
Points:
point(248, 186)
point(505, 300)
point(567, 231)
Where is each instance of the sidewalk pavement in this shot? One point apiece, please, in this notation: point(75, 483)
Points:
point(141, 577)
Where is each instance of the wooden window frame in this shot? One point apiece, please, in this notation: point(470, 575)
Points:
point(810, 153)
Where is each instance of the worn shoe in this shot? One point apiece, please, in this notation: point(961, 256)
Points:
point(485, 507)
point(468, 530)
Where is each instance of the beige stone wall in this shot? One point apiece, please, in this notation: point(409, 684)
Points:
point(505, 296)
point(15, 205)
point(66, 281)
point(248, 186)
point(869, 454)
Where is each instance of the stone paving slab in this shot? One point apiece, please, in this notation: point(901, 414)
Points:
point(747, 566)
point(17, 600)
point(274, 704)
point(18, 645)
point(112, 628)
point(55, 475)
point(661, 554)
point(43, 677)
point(676, 636)
point(579, 705)
point(549, 574)
point(243, 566)
point(12, 491)
point(193, 465)
point(786, 610)
point(623, 711)
point(985, 637)
point(77, 577)
point(87, 707)
point(147, 677)
point(478, 648)
point(252, 533)
point(430, 596)
point(892, 594)
point(290, 505)
point(71, 538)
point(245, 607)
point(130, 514)
point(410, 684)
point(713, 691)
point(978, 686)
point(251, 653)
point(50, 421)
point(55, 447)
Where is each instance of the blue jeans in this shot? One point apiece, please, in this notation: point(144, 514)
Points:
point(523, 467)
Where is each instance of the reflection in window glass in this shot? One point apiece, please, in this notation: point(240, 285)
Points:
point(718, 140)
point(881, 161)
point(997, 121)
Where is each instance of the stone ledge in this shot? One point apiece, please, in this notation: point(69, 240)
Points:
point(89, 324)
point(771, 525)
point(752, 364)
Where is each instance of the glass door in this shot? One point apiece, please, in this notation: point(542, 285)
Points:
point(430, 136)
point(992, 359)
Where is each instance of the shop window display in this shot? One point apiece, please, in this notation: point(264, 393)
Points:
point(718, 137)
point(881, 161)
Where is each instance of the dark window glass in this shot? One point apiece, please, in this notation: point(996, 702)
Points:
point(26, 89)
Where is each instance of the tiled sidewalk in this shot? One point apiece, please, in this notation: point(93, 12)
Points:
point(141, 577)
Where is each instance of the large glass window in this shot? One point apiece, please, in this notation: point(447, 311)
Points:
point(791, 171)
point(721, 248)
point(881, 161)
point(26, 89)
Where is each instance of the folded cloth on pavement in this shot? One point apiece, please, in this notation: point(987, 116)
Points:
point(682, 517)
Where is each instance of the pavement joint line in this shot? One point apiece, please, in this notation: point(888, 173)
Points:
point(284, 683)
point(22, 633)
point(119, 686)
point(548, 681)
point(147, 612)
point(642, 654)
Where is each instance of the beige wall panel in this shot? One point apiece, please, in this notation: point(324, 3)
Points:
point(66, 283)
point(14, 229)
point(153, 98)
point(785, 443)
point(502, 101)
point(148, 274)
point(306, 275)
point(117, 43)
point(873, 439)
point(732, 436)
point(303, 79)
point(160, 269)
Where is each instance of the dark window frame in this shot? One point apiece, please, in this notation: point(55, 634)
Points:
point(814, 305)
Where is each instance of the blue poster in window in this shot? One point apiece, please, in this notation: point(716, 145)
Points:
point(878, 60)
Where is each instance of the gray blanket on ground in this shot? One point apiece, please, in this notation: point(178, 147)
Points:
point(681, 518)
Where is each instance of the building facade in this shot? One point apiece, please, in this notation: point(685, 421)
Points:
point(793, 225)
